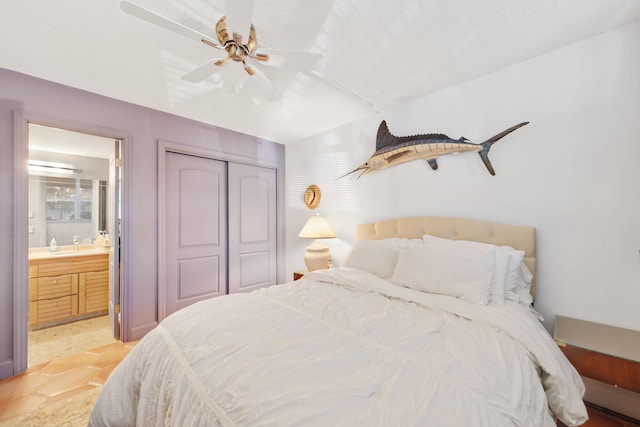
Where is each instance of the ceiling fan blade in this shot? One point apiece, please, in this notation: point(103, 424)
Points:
point(260, 85)
point(153, 18)
point(236, 83)
point(239, 14)
point(202, 72)
point(297, 60)
point(230, 82)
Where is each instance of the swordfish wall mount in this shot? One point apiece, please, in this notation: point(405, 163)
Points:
point(393, 150)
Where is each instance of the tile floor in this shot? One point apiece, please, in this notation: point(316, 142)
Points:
point(62, 378)
point(67, 339)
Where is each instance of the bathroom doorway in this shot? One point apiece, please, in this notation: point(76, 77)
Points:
point(73, 241)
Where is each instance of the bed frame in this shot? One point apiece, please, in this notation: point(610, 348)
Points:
point(518, 237)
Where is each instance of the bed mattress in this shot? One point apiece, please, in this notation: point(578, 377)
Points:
point(343, 348)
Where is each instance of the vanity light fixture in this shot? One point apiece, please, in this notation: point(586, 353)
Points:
point(52, 167)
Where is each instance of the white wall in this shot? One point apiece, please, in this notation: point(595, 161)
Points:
point(573, 172)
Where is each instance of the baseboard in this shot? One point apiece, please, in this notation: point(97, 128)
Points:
point(140, 331)
point(6, 368)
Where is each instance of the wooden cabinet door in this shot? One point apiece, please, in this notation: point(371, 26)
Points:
point(93, 292)
point(252, 227)
point(195, 229)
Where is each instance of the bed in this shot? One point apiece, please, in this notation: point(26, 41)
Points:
point(428, 322)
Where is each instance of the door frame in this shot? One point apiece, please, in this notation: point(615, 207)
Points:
point(21, 121)
point(164, 147)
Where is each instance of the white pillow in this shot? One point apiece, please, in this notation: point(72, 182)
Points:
point(377, 257)
point(503, 257)
point(499, 279)
point(513, 275)
point(512, 279)
point(519, 278)
point(459, 270)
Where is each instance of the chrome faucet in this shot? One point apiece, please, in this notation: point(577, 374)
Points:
point(76, 243)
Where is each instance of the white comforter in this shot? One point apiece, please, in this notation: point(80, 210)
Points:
point(343, 348)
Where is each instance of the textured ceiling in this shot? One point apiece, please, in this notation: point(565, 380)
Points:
point(376, 52)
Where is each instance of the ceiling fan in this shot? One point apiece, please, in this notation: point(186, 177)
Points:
point(236, 36)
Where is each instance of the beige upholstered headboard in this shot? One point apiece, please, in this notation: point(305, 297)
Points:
point(518, 237)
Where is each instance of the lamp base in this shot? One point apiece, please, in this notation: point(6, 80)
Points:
point(317, 256)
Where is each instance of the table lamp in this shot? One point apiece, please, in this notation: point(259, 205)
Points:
point(317, 255)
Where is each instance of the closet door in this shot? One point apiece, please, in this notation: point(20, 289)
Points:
point(252, 227)
point(196, 230)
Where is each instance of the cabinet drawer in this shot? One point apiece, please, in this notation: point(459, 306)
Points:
point(603, 367)
point(76, 264)
point(45, 288)
point(53, 309)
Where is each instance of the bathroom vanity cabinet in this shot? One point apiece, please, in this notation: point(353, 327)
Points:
point(67, 287)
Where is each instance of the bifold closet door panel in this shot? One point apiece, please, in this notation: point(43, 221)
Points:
point(196, 230)
point(252, 227)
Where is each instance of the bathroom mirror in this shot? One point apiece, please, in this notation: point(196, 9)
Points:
point(67, 188)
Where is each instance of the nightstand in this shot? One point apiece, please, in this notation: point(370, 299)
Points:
point(607, 358)
point(298, 274)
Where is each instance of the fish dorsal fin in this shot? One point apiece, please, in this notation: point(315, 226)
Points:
point(423, 136)
point(384, 138)
point(387, 139)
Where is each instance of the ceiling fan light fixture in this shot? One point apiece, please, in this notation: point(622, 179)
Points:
point(248, 69)
point(230, 31)
point(221, 62)
point(209, 43)
point(222, 32)
point(236, 50)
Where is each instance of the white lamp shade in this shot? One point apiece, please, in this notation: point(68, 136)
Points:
point(317, 227)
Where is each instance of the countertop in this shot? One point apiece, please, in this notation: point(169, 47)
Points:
point(67, 251)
